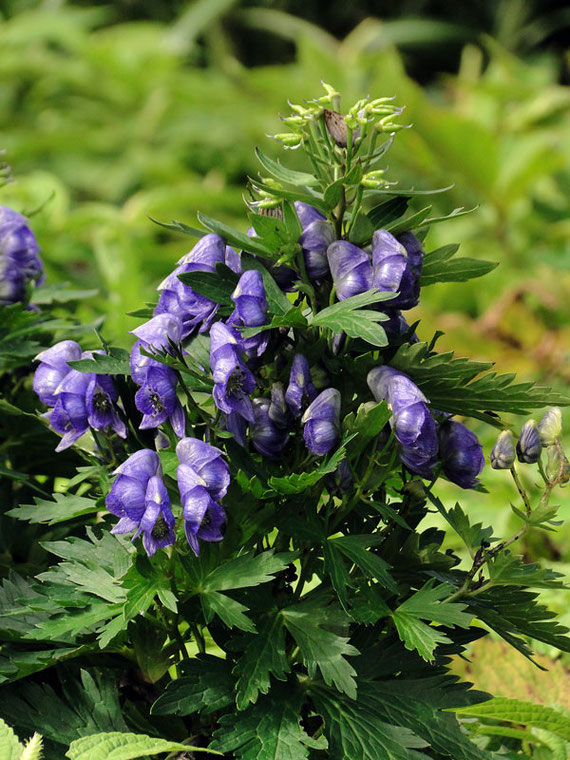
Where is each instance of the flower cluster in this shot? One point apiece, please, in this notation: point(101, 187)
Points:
point(20, 263)
point(79, 400)
point(140, 498)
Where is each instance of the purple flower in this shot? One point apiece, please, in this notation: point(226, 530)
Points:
point(154, 335)
point(236, 424)
point(158, 402)
point(251, 311)
point(397, 266)
point(300, 391)
point(82, 400)
point(350, 267)
point(340, 480)
point(233, 381)
point(321, 421)
point(140, 499)
point(529, 446)
point(101, 399)
point(503, 453)
point(411, 422)
point(176, 298)
point(461, 454)
point(233, 260)
point(20, 263)
point(267, 437)
point(203, 479)
point(317, 235)
point(53, 368)
point(307, 214)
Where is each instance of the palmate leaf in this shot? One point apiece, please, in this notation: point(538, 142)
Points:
point(207, 686)
point(115, 363)
point(78, 708)
point(246, 570)
point(64, 507)
point(270, 730)
point(348, 316)
point(354, 729)
point(471, 535)
point(264, 656)
point(122, 746)
point(299, 482)
point(509, 569)
point(355, 548)
point(426, 605)
point(518, 711)
point(452, 385)
point(321, 649)
point(419, 705)
point(514, 613)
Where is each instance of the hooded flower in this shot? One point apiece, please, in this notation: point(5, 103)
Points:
point(251, 311)
point(300, 391)
point(317, 235)
point(20, 263)
point(180, 299)
point(268, 438)
point(398, 261)
point(461, 454)
point(411, 421)
point(529, 446)
point(233, 381)
point(84, 400)
point(154, 335)
point(203, 480)
point(321, 421)
point(139, 498)
point(53, 368)
point(158, 402)
point(396, 327)
point(503, 454)
point(350, 267)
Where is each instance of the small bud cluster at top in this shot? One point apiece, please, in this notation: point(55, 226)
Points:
point(532, 440)
point(270, 393)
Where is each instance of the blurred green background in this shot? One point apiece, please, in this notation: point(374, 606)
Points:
point(114, 113)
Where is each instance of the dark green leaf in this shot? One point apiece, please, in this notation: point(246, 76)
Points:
point(218, 286)
point(354, 729)
point(410, 223)
point(321, 649)
point(387, 211)
point(509, 569)
point(246, 570)
point(264, 656)
point(458, 270)
point(270, 730)
point(333, 193)
point(471, 535)
point(277, 301)
point(299, 482)
point(175, 226)
point(207, 686)
point(356, 549)
point(232, 613)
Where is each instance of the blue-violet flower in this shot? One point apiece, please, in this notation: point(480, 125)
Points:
point(461, 454)
point(321, 421)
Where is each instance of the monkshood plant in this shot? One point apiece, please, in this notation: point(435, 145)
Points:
point(244, 565)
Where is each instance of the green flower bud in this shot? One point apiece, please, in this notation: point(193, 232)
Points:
point(503, 453)
point(550, 426)
point(558, 467)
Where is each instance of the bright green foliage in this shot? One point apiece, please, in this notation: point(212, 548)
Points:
point(123, 746)
point(62, 508)
point(10, 747)
point(206, 687)
point(525, 713)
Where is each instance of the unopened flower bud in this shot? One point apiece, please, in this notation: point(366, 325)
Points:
point(289, 139)
point(528, 445)
point(503, 453)
point(558, 467)
point(550, 426)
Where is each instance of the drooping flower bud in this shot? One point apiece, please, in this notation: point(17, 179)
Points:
point(20, 263)
point(267, 437)
point(503, 454)
point(315, 241)
point(461, 454)
point(321, 421)
point(300, 391)
point(53, 368)
point(350, 267)
point(411, 420)
point(550, 426)
point(203, 479)
point(528, 445)
point(233, 381)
